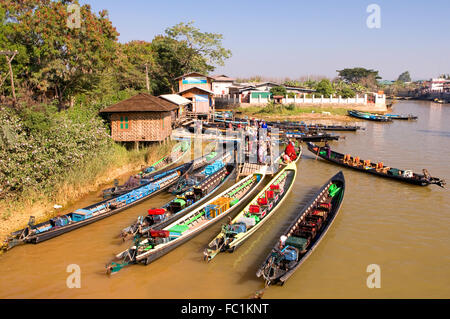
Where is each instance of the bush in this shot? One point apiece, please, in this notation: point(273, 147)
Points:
point(291, 95)
point(37, 149)
point(278, 90)
point(347, 93)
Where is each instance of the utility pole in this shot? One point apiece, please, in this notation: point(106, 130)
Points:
point(147, 81)
point(12, 54)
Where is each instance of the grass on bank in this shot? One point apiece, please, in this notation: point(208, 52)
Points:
point(289, 110)
point(83, 179)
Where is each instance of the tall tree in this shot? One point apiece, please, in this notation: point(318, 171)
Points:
point(57, 58)
point(133, 63)
point(183, 49)
point(204, 49)
point(356, 75)
point(404, 77)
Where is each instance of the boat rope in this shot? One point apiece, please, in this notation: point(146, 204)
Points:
point(259, 293)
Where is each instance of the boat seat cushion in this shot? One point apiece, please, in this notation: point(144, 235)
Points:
point(298, 242)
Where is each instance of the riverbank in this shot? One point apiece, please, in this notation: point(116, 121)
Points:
point(120, 165)
point(308, 114)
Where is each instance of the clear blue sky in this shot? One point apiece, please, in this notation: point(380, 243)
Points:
point(299, 38)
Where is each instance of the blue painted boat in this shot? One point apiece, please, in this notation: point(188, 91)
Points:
point(369, 116)
point(209, 180)
point(81, 217)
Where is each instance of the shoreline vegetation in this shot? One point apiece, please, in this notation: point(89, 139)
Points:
point(79, 182)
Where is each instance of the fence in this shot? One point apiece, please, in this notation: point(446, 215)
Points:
point(236, 99)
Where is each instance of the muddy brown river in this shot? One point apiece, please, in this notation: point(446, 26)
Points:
point(402, 228)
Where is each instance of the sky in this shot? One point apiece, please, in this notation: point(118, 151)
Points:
point(292, 39)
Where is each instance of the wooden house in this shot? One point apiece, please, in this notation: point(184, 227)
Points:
point(197, 88)
point(182, 103)
point(143, 117)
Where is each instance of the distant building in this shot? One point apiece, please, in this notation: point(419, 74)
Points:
point(250, 93)
point(437, 85)
point(197, 88)
point(386, 82)
point(182, 103)
point(221, 84)
point(143, 117)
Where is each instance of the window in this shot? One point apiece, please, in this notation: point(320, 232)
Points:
point(124, 122)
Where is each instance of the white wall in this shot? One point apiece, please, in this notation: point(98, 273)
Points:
point(379, 99)
point(220, 88)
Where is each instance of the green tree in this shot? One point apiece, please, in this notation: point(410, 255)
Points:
point(356, 75)
point(404, 77)
point(168, 64)
point(278, 90)
point(135, 59)
point(325, 88)
point(204, 48)
point(189, 50)
point(54, 58)
point(346, 92)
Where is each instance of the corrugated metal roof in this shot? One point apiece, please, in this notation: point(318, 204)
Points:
point(143, 102)
point(176, 99)
point(222, 78)
point(192, 73)
point(196, 87)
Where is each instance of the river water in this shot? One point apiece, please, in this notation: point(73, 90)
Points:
point(400, 227)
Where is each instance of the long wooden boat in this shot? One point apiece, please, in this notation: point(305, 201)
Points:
point(313, 127)
point(84, 216)
point(377, 169)
point(305, 233)
point(369, 116)
point(197, 174)
point(214, 176)
point(164, 240)
point(147, 174)
point(256, 213)
point(402, 116)
point(311, 137)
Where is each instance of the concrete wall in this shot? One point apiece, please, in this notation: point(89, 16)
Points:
point(375, 101)
point(220, 88)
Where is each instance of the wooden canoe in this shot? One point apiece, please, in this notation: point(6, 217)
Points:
point(256, 213)
point(147, 174)
point(147, 250)
point(304, 234)
point(357, 164)
point(369, 116)
point(95, 212)
point(183, 203)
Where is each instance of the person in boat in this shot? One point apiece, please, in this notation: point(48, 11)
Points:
point(290, 151)
point(261, 152)
point(327, 148)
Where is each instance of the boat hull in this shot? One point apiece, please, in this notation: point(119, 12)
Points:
point(371, 117)
point(419, 182)
point(57, 231)
point(151, 256)
point(283, 276)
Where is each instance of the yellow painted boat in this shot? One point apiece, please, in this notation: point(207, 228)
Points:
point(256, 213)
